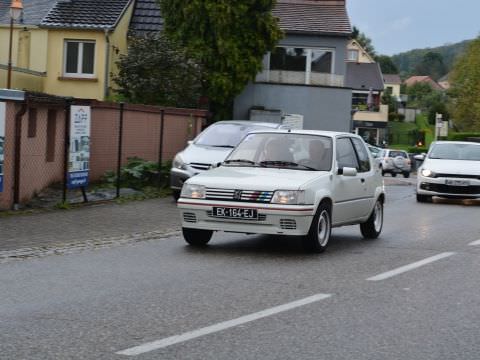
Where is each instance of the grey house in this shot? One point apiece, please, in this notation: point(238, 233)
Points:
point(305, 75)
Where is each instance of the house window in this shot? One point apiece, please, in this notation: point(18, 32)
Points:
point(51, 134)
point(299, 64)
point(79, 58)
point(352, 55)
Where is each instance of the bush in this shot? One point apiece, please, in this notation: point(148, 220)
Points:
point(463, 136)
point(139, 173)
point(417, 150)
point(393, 116)
point(401, 117)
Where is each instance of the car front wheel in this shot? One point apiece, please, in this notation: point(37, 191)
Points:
point(318, 237)
point(197, 237)
point(372, 228)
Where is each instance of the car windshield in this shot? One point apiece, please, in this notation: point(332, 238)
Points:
point(284, 150)
point(225, 135)
point(469, 152)
point(398, 153)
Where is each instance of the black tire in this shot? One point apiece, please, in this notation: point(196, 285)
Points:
point(424, 198)
point(383, 173)
point(176, 194)
point(394, 174)
point(372, 228)
point(318, 237)
point(406, 174)
point(197, 237)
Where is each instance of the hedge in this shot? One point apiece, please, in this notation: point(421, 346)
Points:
point(463, 136)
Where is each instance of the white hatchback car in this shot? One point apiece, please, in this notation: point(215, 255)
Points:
point(299, 183)
point(450, 169)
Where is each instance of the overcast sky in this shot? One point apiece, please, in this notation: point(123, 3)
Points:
point(400, 25)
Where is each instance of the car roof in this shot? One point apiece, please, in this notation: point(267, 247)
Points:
point(457, 142)
point(331, 134)
point(249, 122)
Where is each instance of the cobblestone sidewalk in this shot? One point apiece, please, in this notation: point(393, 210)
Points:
point(90, 226)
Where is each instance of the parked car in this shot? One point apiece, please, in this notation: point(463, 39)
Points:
point(450, 169)
point(279, 182)
point(209, 148)
point(394, 162)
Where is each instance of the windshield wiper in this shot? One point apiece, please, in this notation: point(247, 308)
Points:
point(224, 146)
point(286, 163)
point(244, 161)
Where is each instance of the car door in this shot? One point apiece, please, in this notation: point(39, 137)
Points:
point(367, 175)
point(348, 191)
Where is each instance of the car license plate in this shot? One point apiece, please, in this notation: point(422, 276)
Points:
point(235, 213)
point(457, 182)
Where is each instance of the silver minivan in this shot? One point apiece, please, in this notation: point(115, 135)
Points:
point(209, 148)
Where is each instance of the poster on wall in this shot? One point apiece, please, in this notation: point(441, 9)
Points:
point(79, 155)
point(3, 114)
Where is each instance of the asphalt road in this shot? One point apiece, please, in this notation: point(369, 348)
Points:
point(412, 294)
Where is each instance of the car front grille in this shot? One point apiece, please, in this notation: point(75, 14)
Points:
point(200, 166)
point(288, 224)
point(458, 176)
point(189, 217)
point(449, 189)
point(239, 195)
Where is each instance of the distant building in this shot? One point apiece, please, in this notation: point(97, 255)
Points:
point(393, 84)
point(423, 79)
point(356, 53)
point(444, 82)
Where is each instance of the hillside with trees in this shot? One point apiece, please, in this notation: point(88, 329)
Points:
point(415, 61)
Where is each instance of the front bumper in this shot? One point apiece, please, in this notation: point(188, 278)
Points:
point(438, 187)
point(273, 219)
point(178, 177)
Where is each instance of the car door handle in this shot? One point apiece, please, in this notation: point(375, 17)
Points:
point(362, 180)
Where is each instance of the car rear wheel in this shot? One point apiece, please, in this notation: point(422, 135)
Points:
point(394, 174)
point(197, 237)
point(424, 198)
point(372, 228)
point(317, 239)
point(406, 174)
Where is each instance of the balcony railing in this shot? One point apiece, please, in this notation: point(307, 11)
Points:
point(300, 77)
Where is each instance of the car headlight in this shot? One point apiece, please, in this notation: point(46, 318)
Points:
point(289, 197)
point(428, 173)
point(192, 191)
point(178, 163)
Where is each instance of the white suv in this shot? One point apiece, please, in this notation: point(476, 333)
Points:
point(394, 162)
point(276, 182)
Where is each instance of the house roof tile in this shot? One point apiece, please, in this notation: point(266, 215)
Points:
point(423, 79)
point(363, 76)
point(392, 79)
point(313, 17)
point(33, 11)
point(295, 16)
point(85, 14)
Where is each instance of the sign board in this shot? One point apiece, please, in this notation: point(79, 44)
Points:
point(444, 129)
point(79, 154)
point(293, 121)
point(3, 114)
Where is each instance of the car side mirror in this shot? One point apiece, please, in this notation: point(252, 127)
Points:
point(347, 171)
point(420, 157)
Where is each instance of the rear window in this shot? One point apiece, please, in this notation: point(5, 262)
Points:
point(394, 154)
point(225, 135)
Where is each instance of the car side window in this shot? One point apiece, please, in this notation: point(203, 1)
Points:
point(346, 154)
point(362, 153)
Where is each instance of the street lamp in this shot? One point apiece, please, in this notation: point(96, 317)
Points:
point(15, 11)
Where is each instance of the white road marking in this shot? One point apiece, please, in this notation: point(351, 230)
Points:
point(475, 243)
point(159, 344)
point(412, 266)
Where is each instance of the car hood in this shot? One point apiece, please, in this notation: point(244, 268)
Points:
point(250, 178)
point(460, 167)
point(204, 154)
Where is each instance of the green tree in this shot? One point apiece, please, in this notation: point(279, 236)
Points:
point(364, 41)
point(431, 65)
point(465, 91)
point(423, 96)
point(386, 64)
point(157, 71)
point(228, 38)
